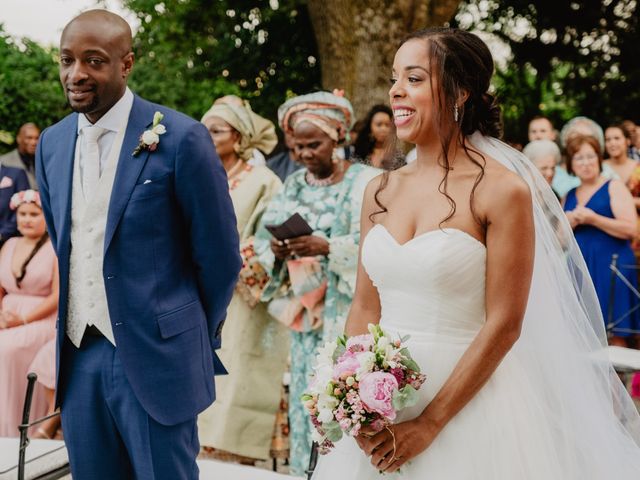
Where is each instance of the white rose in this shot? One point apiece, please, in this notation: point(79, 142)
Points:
point(366, 361)
point(325, 415)
point(326, 402)
point(325, 353)
point(323, 376)
point(159, 129)
point(150, 137)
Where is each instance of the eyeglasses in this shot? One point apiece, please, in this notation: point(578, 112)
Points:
point(583, 159)
point(219, 131)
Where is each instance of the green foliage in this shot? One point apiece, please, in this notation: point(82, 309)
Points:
point(407, 396)
point(190, 52)
point(29, 87)
point(567, 58)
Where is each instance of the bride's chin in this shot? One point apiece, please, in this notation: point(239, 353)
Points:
point(406, 137)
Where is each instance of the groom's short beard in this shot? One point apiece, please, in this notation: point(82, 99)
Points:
point(87, 108)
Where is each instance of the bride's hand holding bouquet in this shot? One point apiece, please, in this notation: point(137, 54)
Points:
point(359, 385)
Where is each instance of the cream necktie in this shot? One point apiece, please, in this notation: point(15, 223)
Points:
point(91, 159)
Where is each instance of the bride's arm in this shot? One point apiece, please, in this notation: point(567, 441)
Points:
point(510, 242)
point(365, 307)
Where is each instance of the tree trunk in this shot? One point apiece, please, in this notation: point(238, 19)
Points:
point(357, 40)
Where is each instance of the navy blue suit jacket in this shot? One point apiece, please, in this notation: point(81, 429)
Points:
point(171, 256)
point(18, 181)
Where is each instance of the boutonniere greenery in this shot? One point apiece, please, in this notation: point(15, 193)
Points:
point(150, 138)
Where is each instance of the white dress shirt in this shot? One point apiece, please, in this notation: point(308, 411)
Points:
point(112, 121)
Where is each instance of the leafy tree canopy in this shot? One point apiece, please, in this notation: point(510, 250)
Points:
point(29, 87)
point(572, 57)
point(190, 52)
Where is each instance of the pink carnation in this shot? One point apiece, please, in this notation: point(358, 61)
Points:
point(399, 374)
point(359, 343)
point(377, 425)
point(376, 392)
point(346, 365)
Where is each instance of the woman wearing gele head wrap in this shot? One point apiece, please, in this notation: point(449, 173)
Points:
point(29, 295)
point(239, 425)
point(313, 276)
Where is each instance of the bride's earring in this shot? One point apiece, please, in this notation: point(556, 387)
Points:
point(455, 113)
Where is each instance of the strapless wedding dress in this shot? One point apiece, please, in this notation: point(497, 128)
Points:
point(433, 289)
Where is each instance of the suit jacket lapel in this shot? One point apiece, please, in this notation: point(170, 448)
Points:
point(65, 161)
point(129, 167)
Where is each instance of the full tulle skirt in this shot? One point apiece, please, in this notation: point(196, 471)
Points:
point(503, 433)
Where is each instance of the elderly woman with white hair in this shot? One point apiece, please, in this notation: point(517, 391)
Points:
point(240, 424)
point(545, 155)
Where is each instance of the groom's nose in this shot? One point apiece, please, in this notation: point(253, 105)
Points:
point(77, 73)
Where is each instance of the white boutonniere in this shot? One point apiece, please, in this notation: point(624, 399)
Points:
point(150, 138)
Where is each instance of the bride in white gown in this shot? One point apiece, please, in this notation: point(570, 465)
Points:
point(468, 252)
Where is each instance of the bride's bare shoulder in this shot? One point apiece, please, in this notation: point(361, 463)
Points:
point(502, 188)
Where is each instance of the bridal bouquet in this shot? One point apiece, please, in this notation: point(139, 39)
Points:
point(360, 381)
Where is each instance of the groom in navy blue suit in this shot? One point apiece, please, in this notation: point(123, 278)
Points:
point(148, 252)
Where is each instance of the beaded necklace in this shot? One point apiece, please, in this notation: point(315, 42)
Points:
point(314, 181)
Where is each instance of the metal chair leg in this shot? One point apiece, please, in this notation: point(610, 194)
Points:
point(26, 412)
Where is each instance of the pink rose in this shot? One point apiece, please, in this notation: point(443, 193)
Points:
point(346, 365)
point(376, 392)
point(359, 343)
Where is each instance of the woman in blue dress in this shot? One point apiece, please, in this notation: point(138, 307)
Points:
point(603, 217)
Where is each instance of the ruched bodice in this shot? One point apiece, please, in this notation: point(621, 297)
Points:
point(434, 284)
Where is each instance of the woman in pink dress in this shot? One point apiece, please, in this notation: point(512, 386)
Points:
point(29, 295)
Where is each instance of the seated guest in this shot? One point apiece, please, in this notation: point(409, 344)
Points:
point(545, 155)
point(29, 294)
point(374, 145)
point(24, 156)
point(240, 423)
point(603, 217)
point(285, 163)
point(12, 180)
point(43, 366)
point(312, 277)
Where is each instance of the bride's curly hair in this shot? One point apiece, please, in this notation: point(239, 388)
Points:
point(461, 63)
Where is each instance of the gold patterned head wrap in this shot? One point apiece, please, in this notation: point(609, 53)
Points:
point(255, 131)
point(331, 113)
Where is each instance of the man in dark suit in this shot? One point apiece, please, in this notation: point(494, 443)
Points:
point(12, 180)
point(23, 156)
point(138, 210)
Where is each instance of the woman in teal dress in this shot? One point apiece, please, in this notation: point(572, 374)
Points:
point(313, 276)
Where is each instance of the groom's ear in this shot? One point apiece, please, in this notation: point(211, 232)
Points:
point(127, 64)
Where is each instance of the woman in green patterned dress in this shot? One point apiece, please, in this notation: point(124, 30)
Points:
point(313, 276)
